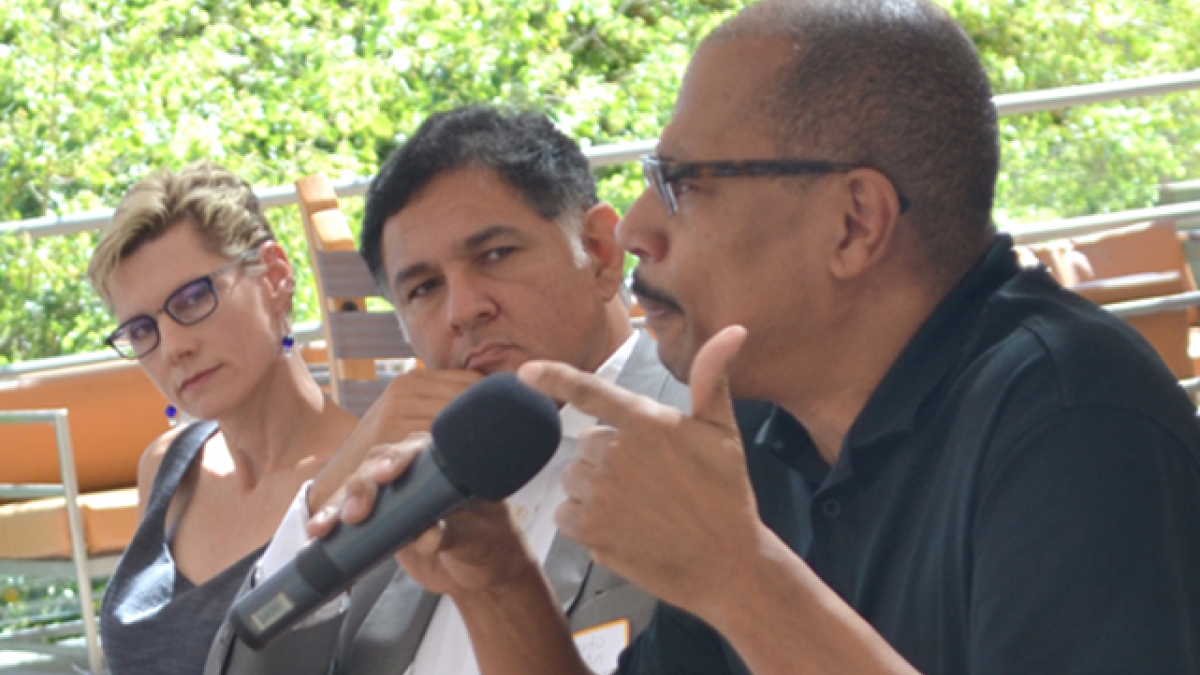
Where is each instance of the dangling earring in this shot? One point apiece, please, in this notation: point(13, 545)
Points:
point(172, 414)
point(288, 340)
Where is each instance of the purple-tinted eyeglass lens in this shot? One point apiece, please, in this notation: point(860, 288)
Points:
point(136, 335)
point(192, 302)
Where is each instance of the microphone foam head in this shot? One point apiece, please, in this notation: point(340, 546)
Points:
point(496, 436)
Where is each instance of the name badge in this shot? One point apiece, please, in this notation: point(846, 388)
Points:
point(601, 645)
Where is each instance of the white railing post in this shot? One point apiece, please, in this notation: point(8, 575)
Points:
point(70, 492)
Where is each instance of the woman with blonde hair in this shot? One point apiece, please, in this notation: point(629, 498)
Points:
point(202, 294)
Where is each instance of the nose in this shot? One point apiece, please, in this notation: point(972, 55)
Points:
point(175, 341)
point(642, 231)
point(468, 303)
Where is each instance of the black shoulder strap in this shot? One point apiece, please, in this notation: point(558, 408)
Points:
point(175, 464)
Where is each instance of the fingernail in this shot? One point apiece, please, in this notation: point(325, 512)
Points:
point(324, 515)
point(530, 372)
point(383, 470)
point(352, 503)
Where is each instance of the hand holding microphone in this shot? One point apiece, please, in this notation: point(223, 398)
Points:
point(486, 445)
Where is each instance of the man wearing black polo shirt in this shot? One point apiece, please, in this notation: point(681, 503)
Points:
point(968, 470)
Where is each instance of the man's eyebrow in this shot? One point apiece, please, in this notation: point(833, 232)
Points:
point(417, 270)
point(487, 234)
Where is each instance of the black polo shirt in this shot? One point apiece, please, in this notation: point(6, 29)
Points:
point(1020, 495)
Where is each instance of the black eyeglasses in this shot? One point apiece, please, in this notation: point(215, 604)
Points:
point(188, 305)
point(663, 174)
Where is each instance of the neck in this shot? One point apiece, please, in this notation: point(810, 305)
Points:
point(617, 329)
point(281, 424)
point(827, 384)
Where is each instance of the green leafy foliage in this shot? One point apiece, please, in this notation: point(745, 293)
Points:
point(95, 94)
point(28, 601)
point(1097, 158)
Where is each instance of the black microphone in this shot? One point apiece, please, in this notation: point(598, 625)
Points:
point(487, 443)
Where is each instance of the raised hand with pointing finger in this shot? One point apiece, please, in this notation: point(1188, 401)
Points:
point(653, 489)
point(666, 500)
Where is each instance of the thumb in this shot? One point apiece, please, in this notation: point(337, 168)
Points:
point(709, 380)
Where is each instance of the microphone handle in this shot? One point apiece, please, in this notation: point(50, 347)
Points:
point(324, 567)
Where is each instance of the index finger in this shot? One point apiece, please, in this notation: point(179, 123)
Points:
point(459, 375)
point(608, 402)
point(432, 383)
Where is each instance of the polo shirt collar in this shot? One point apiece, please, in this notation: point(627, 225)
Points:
point(932, 353)
point(892, 409)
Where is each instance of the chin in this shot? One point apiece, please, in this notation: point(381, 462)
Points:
point(206, 413)
point(208, 408)
point(677, 361)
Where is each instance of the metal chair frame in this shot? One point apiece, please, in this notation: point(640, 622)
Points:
point(81, 566)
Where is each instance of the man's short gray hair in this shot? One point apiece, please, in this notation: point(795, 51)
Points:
point(892, 84)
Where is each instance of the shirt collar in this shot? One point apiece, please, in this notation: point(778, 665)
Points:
point(574, 420)
point(933, 351)
point(927, 359)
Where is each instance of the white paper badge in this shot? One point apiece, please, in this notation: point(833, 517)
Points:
point(601, 645)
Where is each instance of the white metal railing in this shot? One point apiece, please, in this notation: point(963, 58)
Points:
point(1190, 385)
point(1143, 306)
point(1084, 94)
point(304, 332)
point(285, 195)
point(1083, 225)
point(55, 362)
point(620, 153)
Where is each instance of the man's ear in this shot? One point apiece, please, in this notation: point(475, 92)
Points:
point(870, 213)
point(598, 235)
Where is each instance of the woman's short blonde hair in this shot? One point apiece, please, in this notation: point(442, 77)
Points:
point(221, 206)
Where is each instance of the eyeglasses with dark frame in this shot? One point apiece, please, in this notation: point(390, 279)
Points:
point(188, 305)
point(663, 174)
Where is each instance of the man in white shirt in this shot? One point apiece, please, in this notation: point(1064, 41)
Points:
point(962, 493)
point(487, 233)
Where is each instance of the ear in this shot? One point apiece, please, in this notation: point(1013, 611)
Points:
point(871, 211)
point(279, 277)
point(600, 242)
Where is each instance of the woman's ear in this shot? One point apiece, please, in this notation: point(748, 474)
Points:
point(599, 239)
point(279, 276)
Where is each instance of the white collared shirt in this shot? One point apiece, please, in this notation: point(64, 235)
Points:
point(446, 648)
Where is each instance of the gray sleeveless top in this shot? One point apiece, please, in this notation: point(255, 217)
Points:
point(153, 619)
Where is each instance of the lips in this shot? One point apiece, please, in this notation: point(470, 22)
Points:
point(656, 302)
point(198, 379)
point(480, 358)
